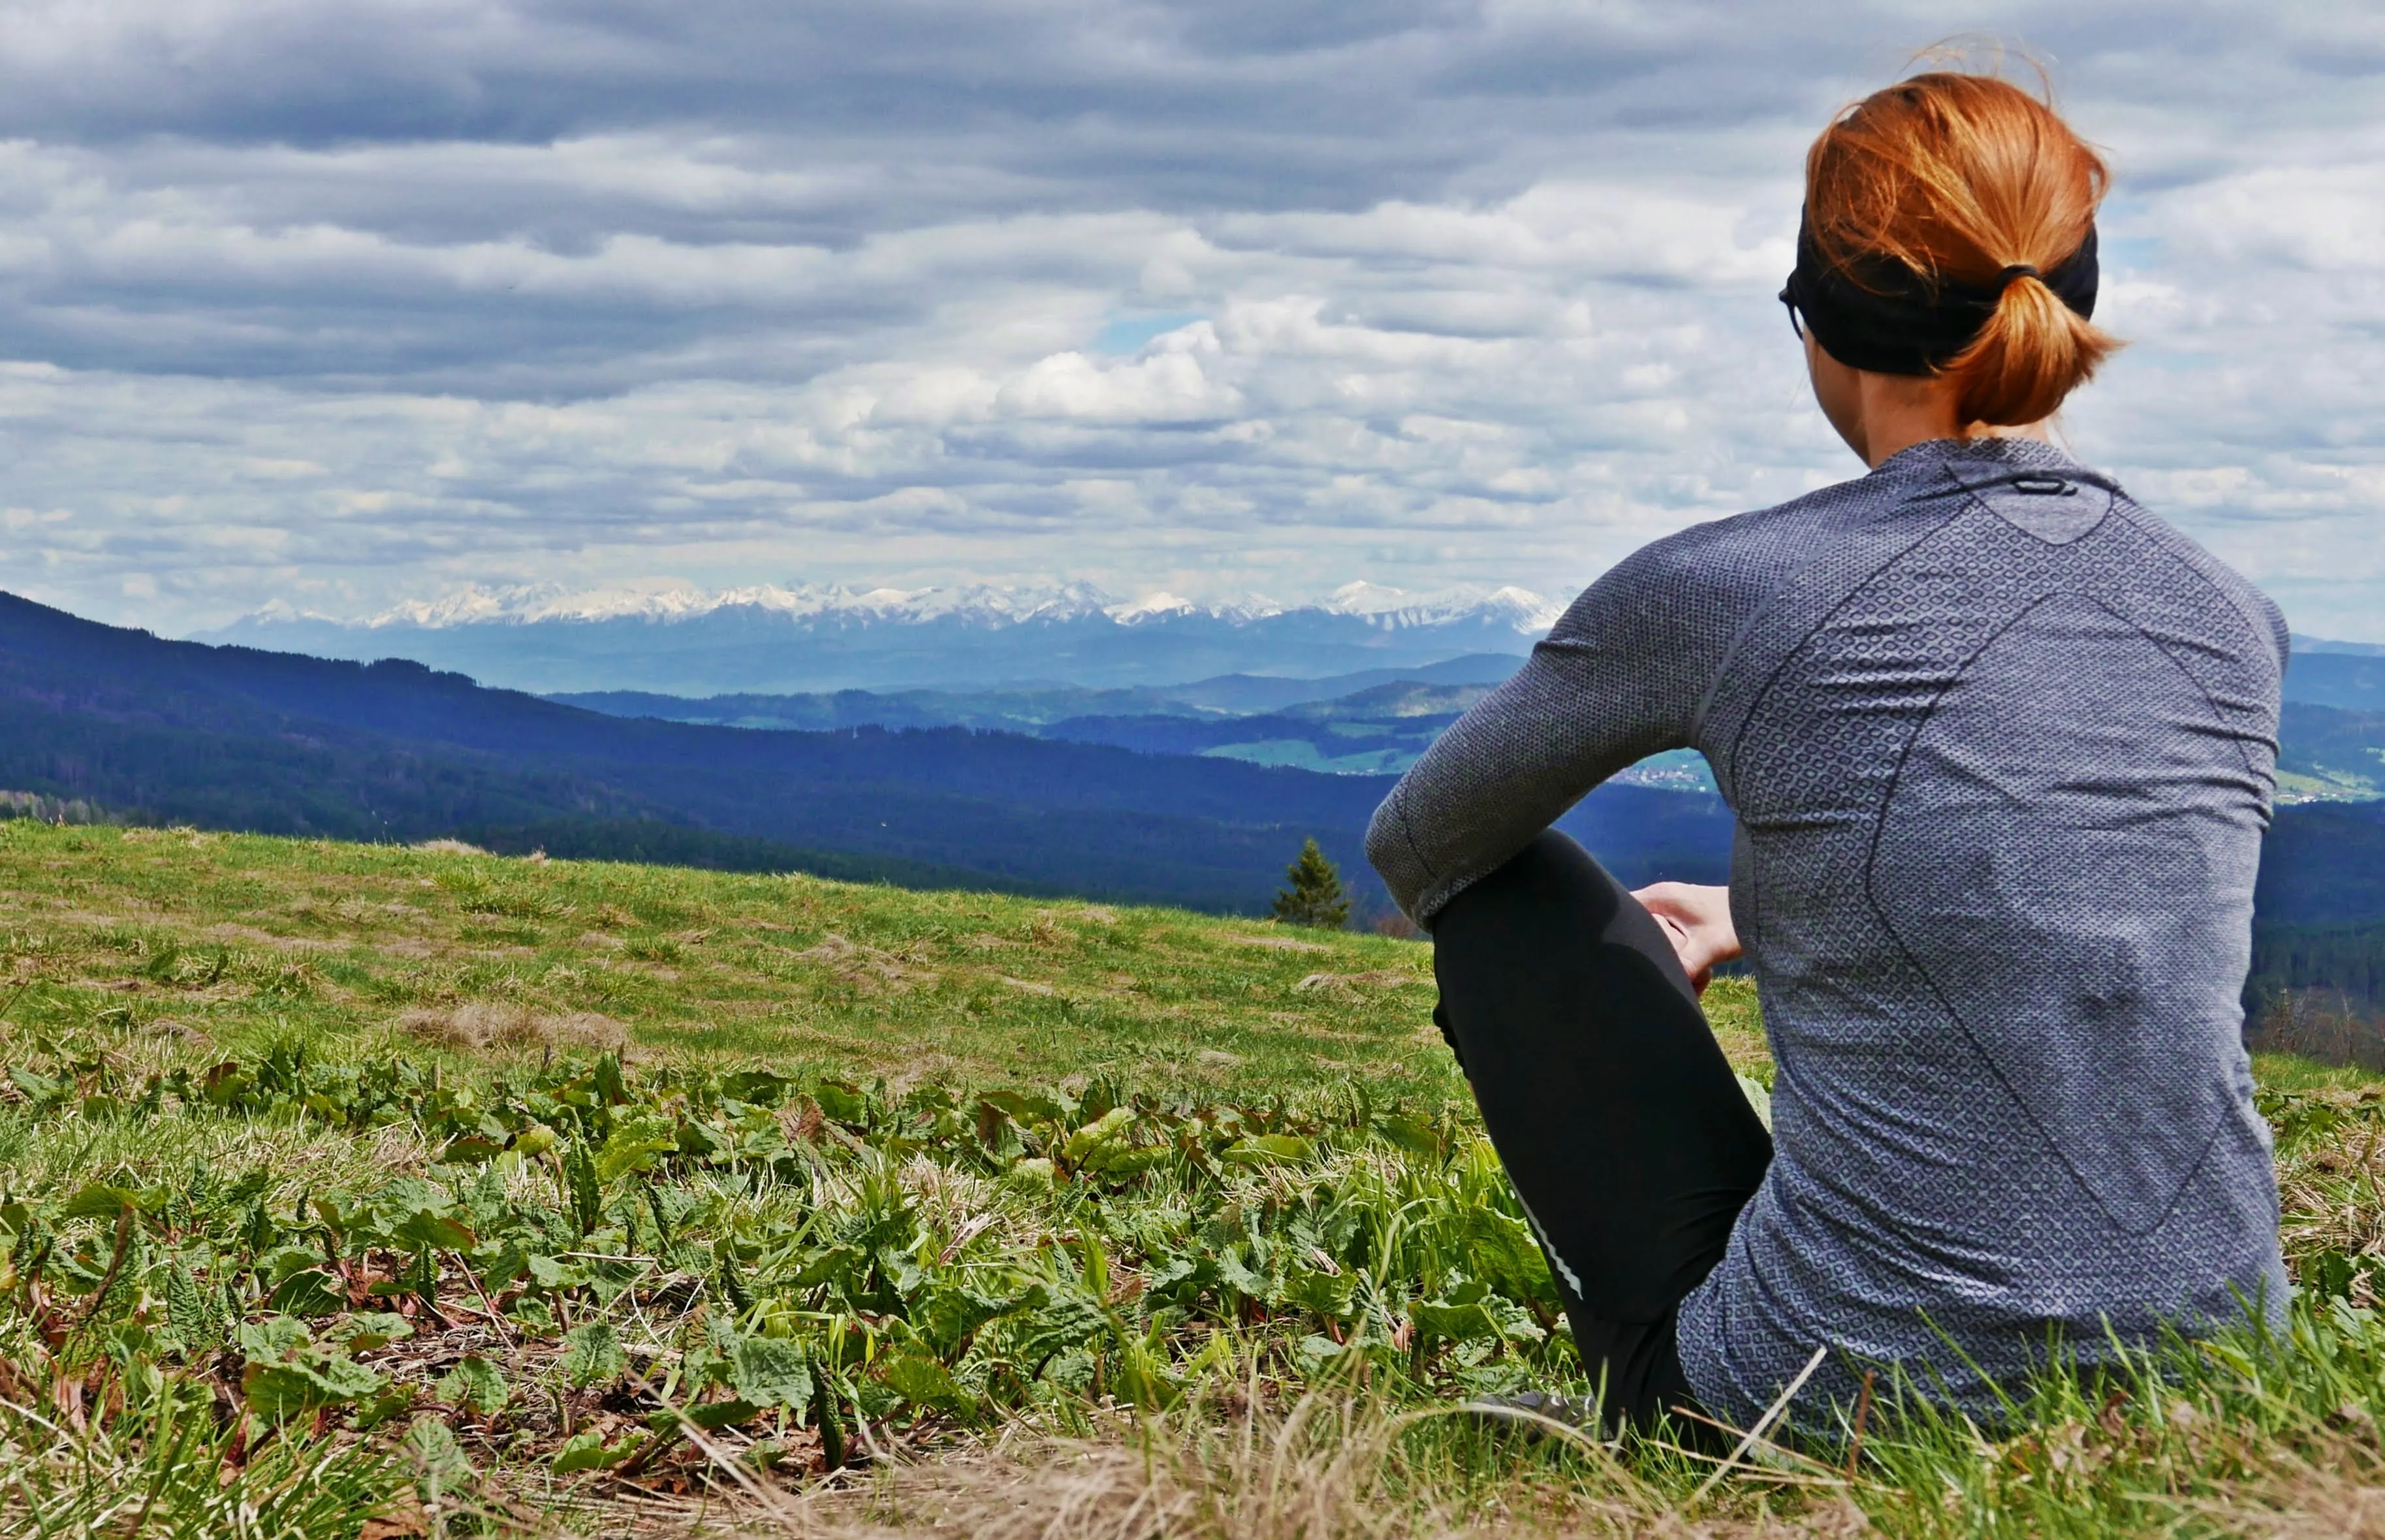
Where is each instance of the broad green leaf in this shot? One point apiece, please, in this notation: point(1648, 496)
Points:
point(841, 1102)
point(954, 1311)
point(405, 1194)
point(1239, 1276)
point(924, 1382)
point(770, 1372)
point(634, 1144)
point(279, 1391)
point(468, 1149)
point(431, 1449)
point(1267, 1149)
point(425, 1230)
point(475, 1383)
point(759, 1086)
point(328, 1209)
point(1117, 1163)
point(1412, 1133)
point(706, 1415)
point(308, 1291)
point(273, 1339)
point(1313, 1352)
point(1456, 1316)
point(1469, 1312)
point(36, 1085)
point(388, 1404)
point(343, 1379)
point(498, 1265)
point(835, 1265)
point(592, 1355)
point(367, 1330)
point(99, 1200)
point(1027, 1108)
point(1312, 1288)
point(588, 1451)
point(548, 1273)
point(1500, 1250)
point(283, 1260)
point(1111, 1126)
point(1181, 1277)
point(608, 1281)
point(721, 1414)
point(225, 1083)
point(1062, 1323)
point(1512, 1321)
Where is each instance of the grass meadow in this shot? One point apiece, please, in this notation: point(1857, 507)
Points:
point(378, 1192)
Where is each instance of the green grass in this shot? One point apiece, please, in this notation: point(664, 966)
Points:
point(463, 1195)
point(245, 938)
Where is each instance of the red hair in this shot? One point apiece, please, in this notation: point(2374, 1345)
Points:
point(1962, 176)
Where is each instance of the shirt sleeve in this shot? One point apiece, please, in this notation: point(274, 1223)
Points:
point(1618, 678)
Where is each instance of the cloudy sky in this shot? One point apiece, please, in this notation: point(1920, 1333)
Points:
point(339, 303)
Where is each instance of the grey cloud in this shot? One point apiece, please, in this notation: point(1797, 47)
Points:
point(727, 291)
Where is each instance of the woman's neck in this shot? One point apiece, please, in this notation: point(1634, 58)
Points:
point(1882, 414)
point(1907, 411)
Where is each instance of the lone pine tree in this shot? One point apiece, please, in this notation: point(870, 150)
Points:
point(1313, 894)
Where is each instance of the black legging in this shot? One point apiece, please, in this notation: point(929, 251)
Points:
point(1607, 1098)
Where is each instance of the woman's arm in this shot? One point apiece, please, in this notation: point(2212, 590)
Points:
point(1618, 678)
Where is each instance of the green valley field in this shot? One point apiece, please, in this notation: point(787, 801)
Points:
point(372, 1191)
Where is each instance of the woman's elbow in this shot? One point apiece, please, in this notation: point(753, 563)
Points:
point(1394, 856)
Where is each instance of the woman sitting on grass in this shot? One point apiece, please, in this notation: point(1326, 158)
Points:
point(2000, 745)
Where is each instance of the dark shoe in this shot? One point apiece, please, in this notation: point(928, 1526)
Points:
point(1535, 1410)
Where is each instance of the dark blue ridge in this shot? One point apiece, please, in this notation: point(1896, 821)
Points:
point(273, 742)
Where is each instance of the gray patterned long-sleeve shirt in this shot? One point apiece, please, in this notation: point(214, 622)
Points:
point(2002, 747)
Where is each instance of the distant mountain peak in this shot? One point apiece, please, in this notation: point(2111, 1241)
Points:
point(1526, 611)
point(1150, 607)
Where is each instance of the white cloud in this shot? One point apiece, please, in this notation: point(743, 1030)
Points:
point(1166, 384)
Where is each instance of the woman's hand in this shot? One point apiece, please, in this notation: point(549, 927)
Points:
point(1698, 921)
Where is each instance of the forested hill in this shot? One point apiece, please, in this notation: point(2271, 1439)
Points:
point(229, 737)
point(2350, 681)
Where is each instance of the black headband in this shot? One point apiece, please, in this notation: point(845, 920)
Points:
point(1875, 313)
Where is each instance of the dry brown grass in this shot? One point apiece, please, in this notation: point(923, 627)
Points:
point(1326, 1468)
point(1337, 1470)
point(1329, 1466)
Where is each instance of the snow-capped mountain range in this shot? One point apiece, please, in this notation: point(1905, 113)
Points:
point(681, 639)
point(978, 604)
